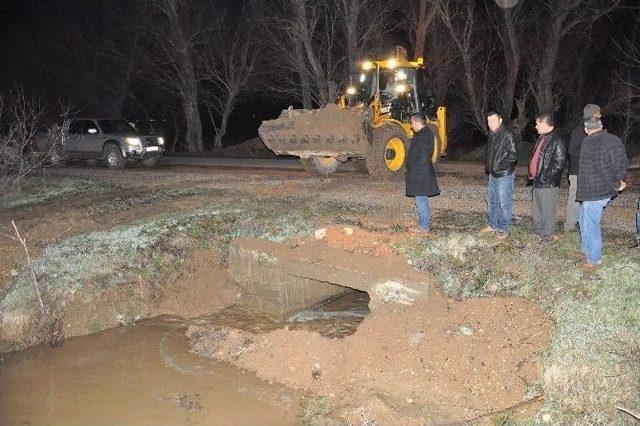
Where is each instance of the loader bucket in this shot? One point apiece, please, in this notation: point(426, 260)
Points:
point(326, 132)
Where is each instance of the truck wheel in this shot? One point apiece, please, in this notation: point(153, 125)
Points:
point(320, 165)
point(150, 162)
point(113, 157)
point(388, 151)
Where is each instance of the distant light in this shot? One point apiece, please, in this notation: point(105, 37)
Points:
point(392, 63)
point(363, 78)
point(401, 88)
point(351, 90)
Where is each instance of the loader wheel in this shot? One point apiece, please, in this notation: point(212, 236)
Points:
point(320, 165)
point(436, 145)
point(388, 151)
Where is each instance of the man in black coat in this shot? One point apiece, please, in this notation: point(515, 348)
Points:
point(573, 207)
point(602, 175)
point(545, 169)
point(421, 177)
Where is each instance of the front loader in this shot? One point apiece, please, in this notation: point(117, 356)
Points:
point(370, 122)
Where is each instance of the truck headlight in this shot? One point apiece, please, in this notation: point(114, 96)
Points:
point(160, 141)
point(133, 141)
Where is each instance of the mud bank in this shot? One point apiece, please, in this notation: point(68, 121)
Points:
point(435, 361)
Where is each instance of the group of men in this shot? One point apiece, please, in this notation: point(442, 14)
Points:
point(597, 165)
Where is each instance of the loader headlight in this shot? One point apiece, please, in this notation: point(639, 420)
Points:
point(401, 75)
point(392, 63)
point(160, 141)
point(351, 90)
point(363, 78)
point(401, 88)
point(367, 65)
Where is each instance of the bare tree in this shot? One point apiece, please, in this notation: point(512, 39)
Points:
point(228, 62)
point(418, 16)
point(564, 17)
point(509, 25)
point(465, 28)
point(625, 94)
point(177, 32)
point(304, 50)
point(365, 25)
point(21, 153)
point(95, 68)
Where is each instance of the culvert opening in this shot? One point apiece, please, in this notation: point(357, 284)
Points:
point(335, 317)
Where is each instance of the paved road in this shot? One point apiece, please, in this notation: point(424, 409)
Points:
point(445, 166)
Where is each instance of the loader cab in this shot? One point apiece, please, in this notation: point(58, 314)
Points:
point(402, 91)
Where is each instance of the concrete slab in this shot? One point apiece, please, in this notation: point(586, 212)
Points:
point(282, 279)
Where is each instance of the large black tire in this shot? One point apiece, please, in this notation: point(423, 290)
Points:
point(150, 162)
point(380, 155)
point(436, 145)
point(320, 165)
point(113, 157)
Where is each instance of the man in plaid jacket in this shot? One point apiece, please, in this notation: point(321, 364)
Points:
point(601, 176)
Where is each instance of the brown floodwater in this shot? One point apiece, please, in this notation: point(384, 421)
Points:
point(141, 374)
point(144, 374)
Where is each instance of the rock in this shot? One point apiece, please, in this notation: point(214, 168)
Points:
point(320, 233)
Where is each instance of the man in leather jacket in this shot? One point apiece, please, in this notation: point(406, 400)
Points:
point(545, 170)
point(500, 165)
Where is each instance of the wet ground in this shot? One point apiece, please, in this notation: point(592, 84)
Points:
point(137, 375)
point(144, 374)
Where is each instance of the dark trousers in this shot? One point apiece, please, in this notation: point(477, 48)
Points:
point(545, 205)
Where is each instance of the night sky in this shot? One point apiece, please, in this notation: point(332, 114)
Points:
point(71, 52)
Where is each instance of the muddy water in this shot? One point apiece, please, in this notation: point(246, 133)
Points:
point(144, 374)
point(136, 375)
point(334, 319)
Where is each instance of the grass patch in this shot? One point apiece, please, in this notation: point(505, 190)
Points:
point(41, 190)
point(314, 411)
point(94, 327)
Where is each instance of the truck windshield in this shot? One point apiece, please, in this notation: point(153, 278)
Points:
point(116, 126)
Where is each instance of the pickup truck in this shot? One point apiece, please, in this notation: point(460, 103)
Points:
point(115, 141)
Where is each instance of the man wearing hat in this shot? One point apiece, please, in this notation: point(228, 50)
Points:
point(601, 176)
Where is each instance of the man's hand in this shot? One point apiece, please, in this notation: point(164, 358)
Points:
point(623, 185)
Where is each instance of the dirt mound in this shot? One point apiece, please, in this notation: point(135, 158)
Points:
point(326, 129)
point(438, 360)
point(353, 239)
point(253, 148)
